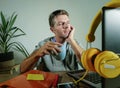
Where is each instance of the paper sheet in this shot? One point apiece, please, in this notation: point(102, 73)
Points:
point(35, 77)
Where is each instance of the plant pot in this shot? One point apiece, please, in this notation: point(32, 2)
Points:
point(6, 56)
point(6, 59)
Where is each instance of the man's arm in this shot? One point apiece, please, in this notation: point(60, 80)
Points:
point(46, 49)
point(29, 62)
point(77, 48)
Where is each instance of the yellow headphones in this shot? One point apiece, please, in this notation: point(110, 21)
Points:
point(96, 21)
point(105, 63)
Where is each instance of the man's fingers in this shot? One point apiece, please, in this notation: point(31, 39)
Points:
point(51, 48)
point(54, 49)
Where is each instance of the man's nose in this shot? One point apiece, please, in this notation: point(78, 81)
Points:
point(66, 25)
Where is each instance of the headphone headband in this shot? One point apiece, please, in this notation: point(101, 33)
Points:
point(97, 19)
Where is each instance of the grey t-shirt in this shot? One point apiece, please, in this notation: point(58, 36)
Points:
point(52, 63)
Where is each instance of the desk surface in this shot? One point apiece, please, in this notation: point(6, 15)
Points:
point(21, 81)
point(63, 78)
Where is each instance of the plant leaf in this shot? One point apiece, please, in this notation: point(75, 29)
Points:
point(3, 20)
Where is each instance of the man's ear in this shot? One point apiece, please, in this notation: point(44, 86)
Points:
point(52, 29)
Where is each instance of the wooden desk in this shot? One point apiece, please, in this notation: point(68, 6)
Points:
point(21, 81)
point(63, 78)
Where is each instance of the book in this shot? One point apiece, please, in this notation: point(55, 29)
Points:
point(21, 81)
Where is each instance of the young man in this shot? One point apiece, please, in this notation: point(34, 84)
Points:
point(58, 53)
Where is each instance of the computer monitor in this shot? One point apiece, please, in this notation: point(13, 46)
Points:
point(111, 29)
point(111, 39)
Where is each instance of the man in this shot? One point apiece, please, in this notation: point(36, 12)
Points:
point(47, 54)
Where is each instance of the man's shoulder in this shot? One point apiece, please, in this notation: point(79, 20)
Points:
point(42, 42)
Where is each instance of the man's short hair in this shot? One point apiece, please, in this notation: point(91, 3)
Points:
point(54, 14)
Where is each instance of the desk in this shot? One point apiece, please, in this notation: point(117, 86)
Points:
point(63, 78)
point(21, 82)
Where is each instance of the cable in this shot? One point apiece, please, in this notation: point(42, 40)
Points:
point(76, 81)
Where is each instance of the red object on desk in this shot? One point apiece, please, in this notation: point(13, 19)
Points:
point(50, 79)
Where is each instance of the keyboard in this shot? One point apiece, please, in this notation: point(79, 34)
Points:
point(92, 78)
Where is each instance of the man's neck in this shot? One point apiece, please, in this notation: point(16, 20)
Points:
point(60, 40)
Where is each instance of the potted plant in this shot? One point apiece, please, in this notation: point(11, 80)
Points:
point(8, 32)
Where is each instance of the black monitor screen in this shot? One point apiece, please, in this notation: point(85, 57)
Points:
point(111, 39)
point(111, 29)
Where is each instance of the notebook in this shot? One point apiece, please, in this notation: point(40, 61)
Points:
point(92, 78)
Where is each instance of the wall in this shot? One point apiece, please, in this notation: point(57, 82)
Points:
point(33, 19)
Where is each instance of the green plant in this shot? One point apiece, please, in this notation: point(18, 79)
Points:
point(7, 34)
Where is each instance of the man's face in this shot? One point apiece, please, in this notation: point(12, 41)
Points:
point(62, 26)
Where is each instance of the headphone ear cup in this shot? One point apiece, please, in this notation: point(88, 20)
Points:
point(88, 57)
point(83, 60)
point(108, 58)
point(97, 63)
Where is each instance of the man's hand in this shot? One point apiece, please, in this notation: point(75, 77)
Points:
point(70, 35)
point(48, 48)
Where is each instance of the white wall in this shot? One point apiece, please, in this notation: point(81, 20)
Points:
point(33, 18)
